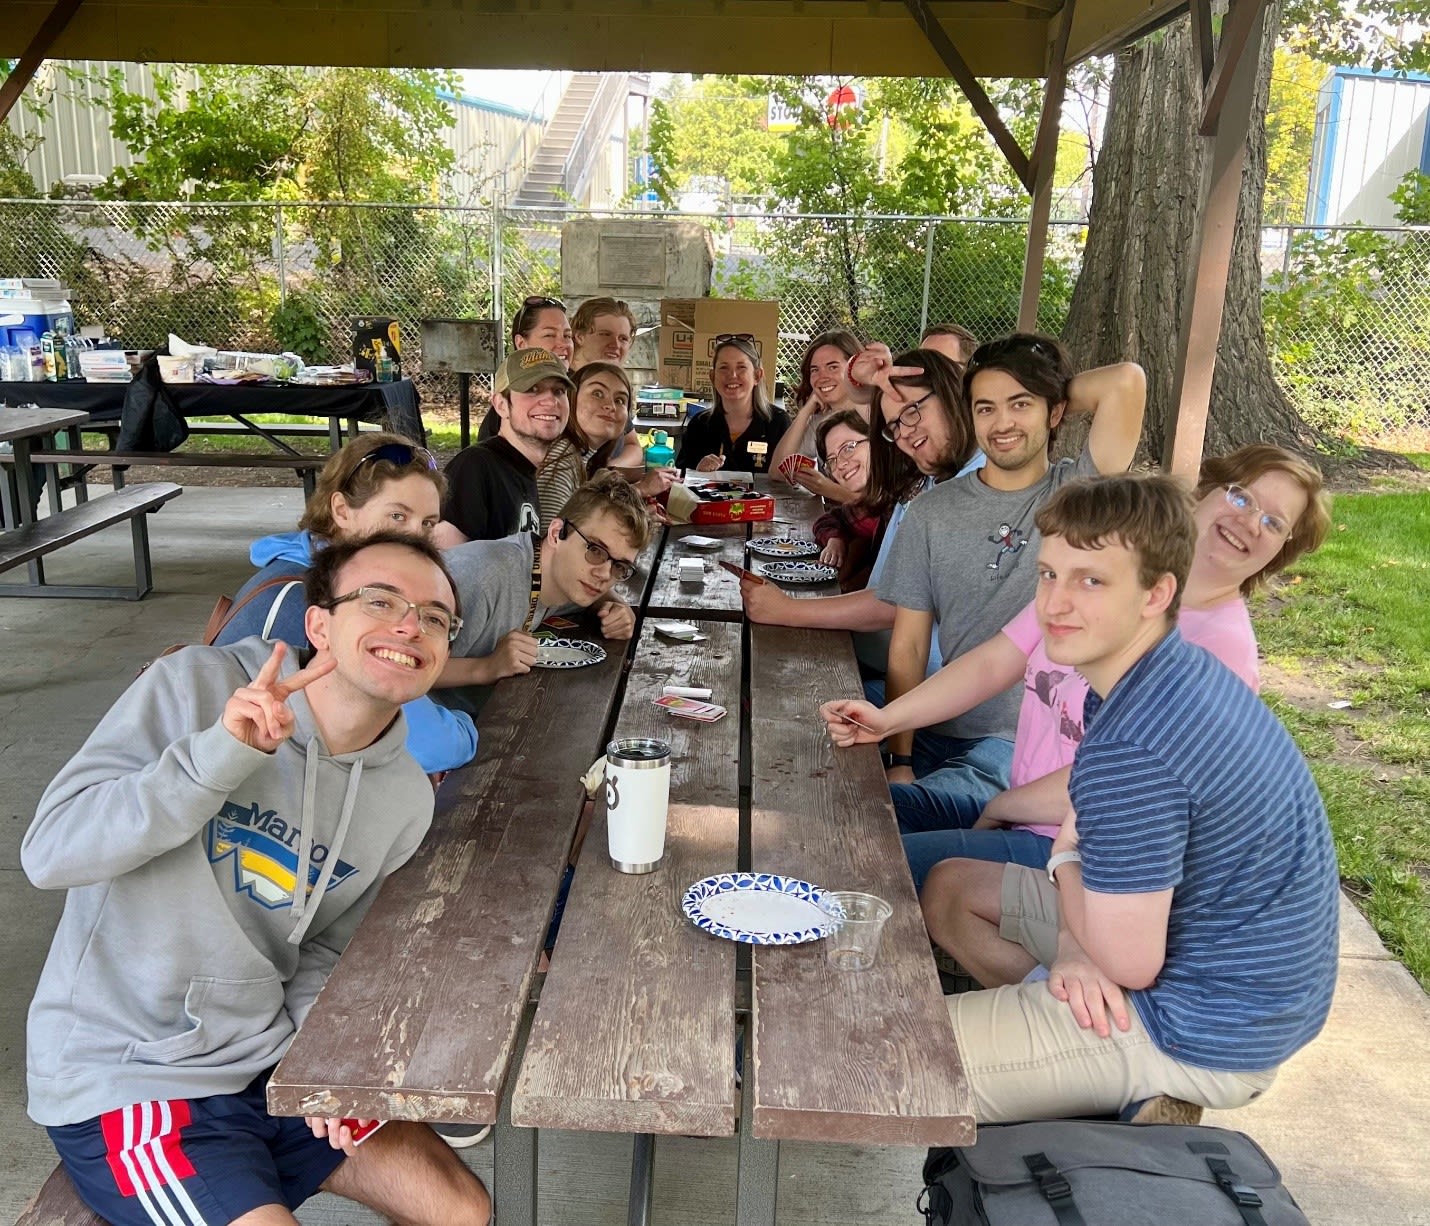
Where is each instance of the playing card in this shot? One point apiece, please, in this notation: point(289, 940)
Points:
point(691, 708)
point(560, 623)
point(740, 572)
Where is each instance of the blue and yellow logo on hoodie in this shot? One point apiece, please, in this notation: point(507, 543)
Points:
point(265, 857)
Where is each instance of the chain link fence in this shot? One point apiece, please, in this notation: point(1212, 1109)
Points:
point(1347, 310)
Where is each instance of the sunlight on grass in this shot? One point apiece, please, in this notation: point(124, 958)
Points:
point(1352, 620)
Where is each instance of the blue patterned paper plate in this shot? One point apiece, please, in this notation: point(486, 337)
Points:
point(758, 908)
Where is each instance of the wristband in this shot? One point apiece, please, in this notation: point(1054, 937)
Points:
point(849, 372)
point(897, 759)
point(1063, 857)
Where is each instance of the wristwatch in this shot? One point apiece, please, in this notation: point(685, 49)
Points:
point(1063, 857)
point(897, 759)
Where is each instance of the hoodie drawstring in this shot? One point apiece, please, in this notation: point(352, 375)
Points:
point(300, 910)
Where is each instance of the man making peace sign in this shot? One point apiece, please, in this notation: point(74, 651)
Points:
point(221, 834)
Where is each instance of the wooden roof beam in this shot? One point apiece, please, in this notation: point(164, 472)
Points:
point(1242, 20)
point(978, 97)
point(34, 55)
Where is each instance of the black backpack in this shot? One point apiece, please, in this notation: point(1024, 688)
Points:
point(1103, 1173)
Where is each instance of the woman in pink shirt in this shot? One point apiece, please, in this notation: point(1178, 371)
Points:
point(1258, 509)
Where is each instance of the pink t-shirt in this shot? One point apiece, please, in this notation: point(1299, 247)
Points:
point(1050, 717)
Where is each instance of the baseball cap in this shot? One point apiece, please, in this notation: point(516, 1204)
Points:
point(523, 369)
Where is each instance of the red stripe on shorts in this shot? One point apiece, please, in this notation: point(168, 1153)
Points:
point(142, 1126)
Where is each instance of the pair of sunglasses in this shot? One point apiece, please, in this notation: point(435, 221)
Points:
point(401, 454)
point(541, 300)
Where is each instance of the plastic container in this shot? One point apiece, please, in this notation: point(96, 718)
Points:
point(660, 454)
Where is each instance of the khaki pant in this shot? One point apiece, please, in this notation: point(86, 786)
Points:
point(1027, 1058)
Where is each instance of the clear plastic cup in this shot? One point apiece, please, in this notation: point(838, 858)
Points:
point(853, 945)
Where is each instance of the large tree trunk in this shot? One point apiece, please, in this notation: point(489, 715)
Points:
point(1146, 201)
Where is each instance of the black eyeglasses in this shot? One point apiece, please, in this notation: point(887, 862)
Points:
point(383, 605)
point(599, 555)
point(401, 454)
point(906, 420)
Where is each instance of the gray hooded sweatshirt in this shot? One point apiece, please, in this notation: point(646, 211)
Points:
point(212, 887)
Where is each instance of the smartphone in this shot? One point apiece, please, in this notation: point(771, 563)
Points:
point(740, 572)
point(361, 1131)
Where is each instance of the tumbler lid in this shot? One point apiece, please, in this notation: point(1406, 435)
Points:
point(639, 753)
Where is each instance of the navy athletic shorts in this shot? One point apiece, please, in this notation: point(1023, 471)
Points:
point(193, 1161)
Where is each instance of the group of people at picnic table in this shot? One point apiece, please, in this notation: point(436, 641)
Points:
point(1107, 828)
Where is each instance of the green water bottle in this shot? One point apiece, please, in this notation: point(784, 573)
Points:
point(660, 454)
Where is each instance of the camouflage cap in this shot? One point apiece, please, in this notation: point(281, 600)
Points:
point(523, 369)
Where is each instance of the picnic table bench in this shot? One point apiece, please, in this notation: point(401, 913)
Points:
point(27, 540)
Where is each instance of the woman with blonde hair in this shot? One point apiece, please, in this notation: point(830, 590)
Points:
point(377, 482)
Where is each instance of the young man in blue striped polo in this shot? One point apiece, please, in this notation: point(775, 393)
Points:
point(1188, 913)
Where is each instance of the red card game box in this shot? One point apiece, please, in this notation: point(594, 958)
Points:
point(730, 502)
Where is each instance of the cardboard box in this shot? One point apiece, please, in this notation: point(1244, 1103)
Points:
point(689, 326)
point(735, 511)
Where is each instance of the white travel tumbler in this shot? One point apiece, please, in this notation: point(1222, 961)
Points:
point(637, 799)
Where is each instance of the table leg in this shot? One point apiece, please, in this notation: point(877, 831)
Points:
point(513, 1166)
point(335, 434)
point(464, 407)
point(757, 1181)
point(642, 1176)
point(27, 500)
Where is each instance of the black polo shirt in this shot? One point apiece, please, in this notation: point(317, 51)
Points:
point(706, 434)
point(491, 491)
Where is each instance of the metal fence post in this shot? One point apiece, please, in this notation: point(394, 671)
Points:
point(281, 254)
point(1286, 258)
point(929, 228)
point(498, 313)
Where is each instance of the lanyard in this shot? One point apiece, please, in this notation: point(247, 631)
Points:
point(532, 621)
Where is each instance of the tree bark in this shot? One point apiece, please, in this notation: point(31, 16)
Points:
point(1146, 202)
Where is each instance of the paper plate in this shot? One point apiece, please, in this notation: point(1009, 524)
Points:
point(568, 653)
point(782, 547)
point(758, 908)
point(799, 572)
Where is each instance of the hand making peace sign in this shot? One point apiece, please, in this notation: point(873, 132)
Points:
point(258, 713)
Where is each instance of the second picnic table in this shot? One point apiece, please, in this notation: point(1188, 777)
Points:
point(635, 1030)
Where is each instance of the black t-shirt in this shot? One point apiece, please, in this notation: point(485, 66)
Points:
point(706, 434)
point(491, 491)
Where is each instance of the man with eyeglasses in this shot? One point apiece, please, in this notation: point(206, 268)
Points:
point(492, 484)
point(221, 834)
point(963, 565)
point(510, 586)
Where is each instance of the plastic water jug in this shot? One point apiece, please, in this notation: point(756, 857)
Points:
point(660, 454)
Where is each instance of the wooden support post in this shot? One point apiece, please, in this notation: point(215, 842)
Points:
point(977, 97)
point(34, 55)
point(1202, 45)
point(1243, 21)
point(1206, 294)
point(1045, 156)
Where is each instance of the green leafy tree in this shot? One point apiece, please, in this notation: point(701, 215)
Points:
point(1290, 132)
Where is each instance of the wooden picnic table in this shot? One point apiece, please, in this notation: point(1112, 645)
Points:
point(637, 1020)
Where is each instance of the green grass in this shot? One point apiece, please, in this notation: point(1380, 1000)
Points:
point(1350, 622)
point(1421, 459)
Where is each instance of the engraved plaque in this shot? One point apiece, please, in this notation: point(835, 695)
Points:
point(627, 260)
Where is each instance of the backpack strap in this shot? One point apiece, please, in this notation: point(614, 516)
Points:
point(1056, 1190)
point(1247, 1202)
point(225, 610)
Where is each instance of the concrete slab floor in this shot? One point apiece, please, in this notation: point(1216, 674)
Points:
point(1348, 1120)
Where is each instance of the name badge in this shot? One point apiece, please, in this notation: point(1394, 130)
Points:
point(757, 448)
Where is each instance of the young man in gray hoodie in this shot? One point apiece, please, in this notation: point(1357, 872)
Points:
point(221, 834)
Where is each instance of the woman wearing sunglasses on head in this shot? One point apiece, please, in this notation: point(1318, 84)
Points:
point(741, 429)
point(377, 482)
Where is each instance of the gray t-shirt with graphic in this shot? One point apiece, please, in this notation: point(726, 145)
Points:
point(494, 584)
point(968, 554)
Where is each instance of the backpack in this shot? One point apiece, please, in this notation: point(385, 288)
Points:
point(224, 611)
point(1104, 1173)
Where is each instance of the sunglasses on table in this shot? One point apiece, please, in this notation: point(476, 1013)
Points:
point(906, 420)
point(383, 605)
point(401, 454)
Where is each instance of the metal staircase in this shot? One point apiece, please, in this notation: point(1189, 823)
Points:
point(577, 134)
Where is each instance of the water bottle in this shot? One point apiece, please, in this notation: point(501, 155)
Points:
point(660, 454)
point(47, 352)
point(382, 365)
